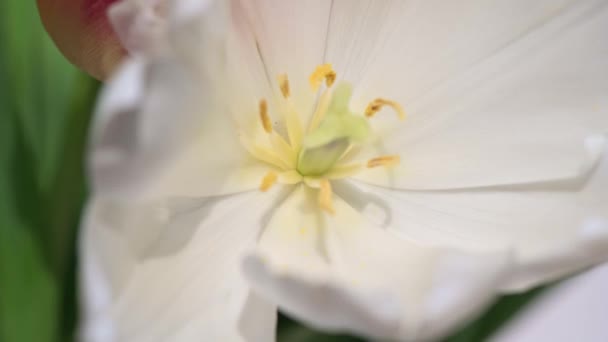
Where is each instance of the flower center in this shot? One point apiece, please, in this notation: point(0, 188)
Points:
point(337, 130)
point(320, 152)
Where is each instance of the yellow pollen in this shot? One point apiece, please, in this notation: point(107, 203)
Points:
point(322, 72)
point(376, 105)
point(330, 78)
point(383, 161)
point(325, 194)
point(284, 85)
point(268, 181)
point(266, 123)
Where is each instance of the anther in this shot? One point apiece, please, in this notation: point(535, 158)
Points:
point(284, 85)
point(325, 197)
point(322, 72)
point(266, 123)
point(383, 161)
point(268, 181)
point(376, 105)
point(330, 78)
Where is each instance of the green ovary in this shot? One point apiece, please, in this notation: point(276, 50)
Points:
point(338, 130)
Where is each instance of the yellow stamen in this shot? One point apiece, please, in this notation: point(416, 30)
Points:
point(295, 131)
point(292, 120)
point(383, 161)
point(268, 181)
point(290, 177)
point(343, 171)
point(322, 72)
point(266, 123)
point(320, 111)
point(312, 182)
point(330, 78)
point(376, 105)
point(267, 154)
point(283, 148)
point(284, 85)
point(325, 194)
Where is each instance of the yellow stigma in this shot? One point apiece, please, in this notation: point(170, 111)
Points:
point(383, 161)
point(376, 105)
point(284, 85)
point(268, 181)
point(325, 194)
point(266, 123)
point(322, 72)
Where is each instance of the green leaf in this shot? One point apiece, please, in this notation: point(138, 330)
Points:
point(28, 292)
point(495, 317)
point(291, 331)
point(45, 105)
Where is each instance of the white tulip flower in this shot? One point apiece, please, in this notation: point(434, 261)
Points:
point(384, 168)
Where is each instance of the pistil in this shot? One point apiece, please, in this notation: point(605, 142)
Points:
point(324, 152)
point(337, 131)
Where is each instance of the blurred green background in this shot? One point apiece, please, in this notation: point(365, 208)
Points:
point(45, 106)
point(44, 111)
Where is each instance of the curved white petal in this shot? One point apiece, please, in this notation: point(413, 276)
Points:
point(105, 264)
point(496, 92)
point(183, 281)
point(167, 127)
point(171, 121)
point(141, 25)
point(164, 138)
point(341, 273)
point(553, 229)
point(115, 238)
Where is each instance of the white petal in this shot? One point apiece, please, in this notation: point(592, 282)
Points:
point(106, 263)
point(214, 37)
point(553, 228)
point(187, 10)
point(141, 25)
point(291, 38)
point(362, 31)
point(340, 273)
point(187, 283)
point(162, 131)
point(258, 319)
point(115, 238)
point(497, 92)
point(170, 123)
point(575, 310)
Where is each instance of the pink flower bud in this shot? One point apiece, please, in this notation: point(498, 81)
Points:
point(83, 33)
